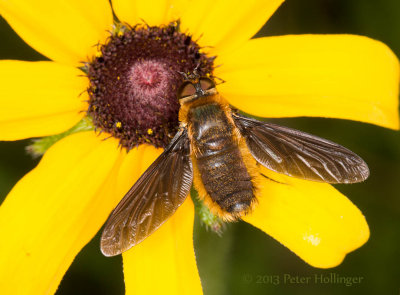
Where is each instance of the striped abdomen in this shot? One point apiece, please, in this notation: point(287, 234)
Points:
point(218, 158)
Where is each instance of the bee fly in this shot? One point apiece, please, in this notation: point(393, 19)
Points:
point(219, 150)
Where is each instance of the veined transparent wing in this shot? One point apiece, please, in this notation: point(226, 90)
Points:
point(152, 199)
point(300, 154)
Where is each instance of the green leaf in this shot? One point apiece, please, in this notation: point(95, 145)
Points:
point(41, 145)
point(206, 217)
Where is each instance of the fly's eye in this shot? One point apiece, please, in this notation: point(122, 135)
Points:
point(187, 89)
point(206, 83)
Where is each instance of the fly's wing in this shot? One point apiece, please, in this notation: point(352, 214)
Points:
point(300, 154)
point(152, 199)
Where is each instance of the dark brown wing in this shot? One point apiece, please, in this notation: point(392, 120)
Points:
point(300, 154)
point(152, 199)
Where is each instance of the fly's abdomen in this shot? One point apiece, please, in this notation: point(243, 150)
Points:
point(220, 164)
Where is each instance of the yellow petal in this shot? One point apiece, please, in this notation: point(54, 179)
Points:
point(312, 219)
point(54, 211)
point(153, 13)
point(135, 163)
point(39, 98)
point(226, 24)
point(177, 8)
point(165, 262)
point(64, 30)
point(338, 76)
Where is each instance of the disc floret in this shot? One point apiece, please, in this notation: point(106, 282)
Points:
point(134, 82)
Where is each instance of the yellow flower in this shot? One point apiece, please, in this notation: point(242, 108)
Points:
point(59, 206)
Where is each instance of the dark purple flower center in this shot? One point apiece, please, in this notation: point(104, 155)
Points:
point(134, 83)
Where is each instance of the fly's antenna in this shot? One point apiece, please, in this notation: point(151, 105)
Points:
point(185, 75)
point(220, 81)
point(191, 76)
point(195, 70)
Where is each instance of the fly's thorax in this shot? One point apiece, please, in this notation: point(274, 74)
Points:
point(192, 103)
point(209, 124)
point(206, 110)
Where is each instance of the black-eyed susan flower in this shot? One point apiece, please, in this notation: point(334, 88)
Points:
point(126, 82)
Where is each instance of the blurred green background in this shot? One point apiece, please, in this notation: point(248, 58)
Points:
point(233, 263)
